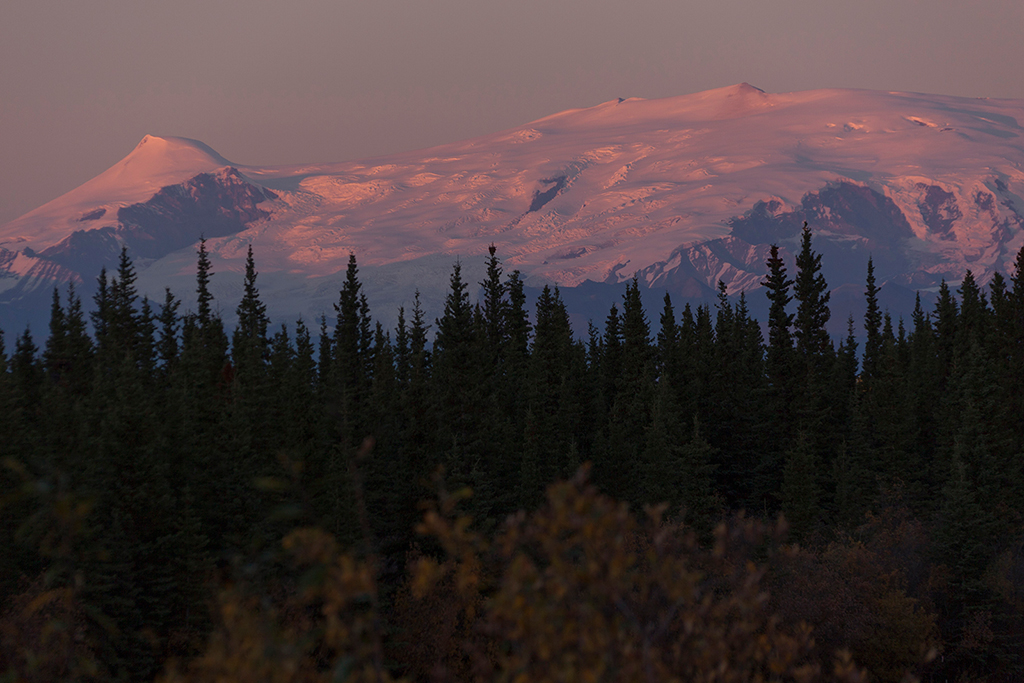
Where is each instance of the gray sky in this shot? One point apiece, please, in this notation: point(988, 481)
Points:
point(272, 82)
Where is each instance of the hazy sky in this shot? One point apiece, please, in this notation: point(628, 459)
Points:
point(272, 82)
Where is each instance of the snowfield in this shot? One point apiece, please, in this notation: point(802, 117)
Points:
point(680, 192)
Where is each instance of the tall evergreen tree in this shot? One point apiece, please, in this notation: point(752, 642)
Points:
point(456, 375)
point(550, 401)
point(249, 341)
point(402, 355)
point(54, 351)
point(636, 336)
point(812, 314)
point(68, 351)
point(147, 344)
point(351, 364)
point(813, 406)
point(974, 316)
point(250, 351)
point(202, 382)
point(872, 326)
point(417, 457)
point(495, 305)
point(780, 339)
point(517, 325)
point(611, 356)
point(204, 299)
point(947, 323)
point(123, 334)
point(170, 325)
point(669, 349)
point(101, 305)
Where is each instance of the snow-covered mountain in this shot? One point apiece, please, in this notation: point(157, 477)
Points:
point(680, 192)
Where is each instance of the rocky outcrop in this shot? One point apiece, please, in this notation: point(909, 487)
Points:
point(207, 205)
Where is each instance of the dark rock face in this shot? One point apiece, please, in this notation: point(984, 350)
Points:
point(208, 205)
point(26, 288)
point(86, 251)
point(766, 222)
point(939, 210)
point(542, 198)
point(840, 209)
point(93, 215)
point(850, 223)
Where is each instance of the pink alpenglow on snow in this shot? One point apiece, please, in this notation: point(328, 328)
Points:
point(681, 192)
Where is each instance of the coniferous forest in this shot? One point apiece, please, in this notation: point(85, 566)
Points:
point(493, 496)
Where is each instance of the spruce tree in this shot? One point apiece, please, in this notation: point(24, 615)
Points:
point(547, 389)
point(813, 405)
point(607, 352)
point(54, 353)
point(204, 299)
point(947, 323)
point(812, 314)
point(742, 439)
point(495, 305)
point(351, 365)
point(383, 492)
point(146, 344)
point(636, 333)
point(79, 344)
point(417, 459)
point(846, 360)
point(324, 354)
point(924, 386)
point(402, 355)
point(123, 328)
point(456, 373)
point(201, 384)
point(889, 420)
point(249, 341)
point(611, 356)
point(703, 364)
point(68, 361)
point(872, 325)
point(170, 325)
point(517, 325)
point(250, 349)
point(27, 374)
point(669, 349)
point(780, 339)
point(974, 315)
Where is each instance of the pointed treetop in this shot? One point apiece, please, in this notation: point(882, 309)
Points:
point(252, 313)
point(811, 291)
point(203, 274)
point(777, 286)
point(872, 325)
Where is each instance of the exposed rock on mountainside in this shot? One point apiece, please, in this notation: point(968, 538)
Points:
point(212, 204)
point(680, 192)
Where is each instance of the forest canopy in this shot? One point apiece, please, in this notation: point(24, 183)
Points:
point(513, 501)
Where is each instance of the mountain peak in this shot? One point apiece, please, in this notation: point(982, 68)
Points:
point(168, 154)
point(684, 189)
point(157, 161)
point(747, 88)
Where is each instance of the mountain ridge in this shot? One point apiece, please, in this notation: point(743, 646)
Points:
point(678, 191)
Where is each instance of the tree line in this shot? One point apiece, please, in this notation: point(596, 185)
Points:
point(173, 495)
